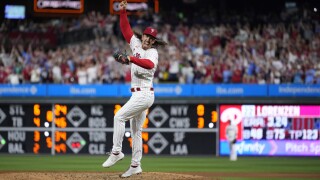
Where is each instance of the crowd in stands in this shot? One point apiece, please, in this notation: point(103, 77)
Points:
point(281, 49)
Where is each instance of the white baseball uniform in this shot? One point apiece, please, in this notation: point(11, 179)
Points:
point(231, 134)
point(135, 109)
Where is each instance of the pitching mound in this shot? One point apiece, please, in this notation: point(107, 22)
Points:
point(88, 175)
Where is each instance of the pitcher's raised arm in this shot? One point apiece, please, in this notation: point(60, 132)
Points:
point(124, 22)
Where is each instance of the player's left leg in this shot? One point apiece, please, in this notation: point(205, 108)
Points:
point(131, 109)
point(136, 133)
point(233, 152)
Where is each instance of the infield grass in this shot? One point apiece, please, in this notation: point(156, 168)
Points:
point(92, 163)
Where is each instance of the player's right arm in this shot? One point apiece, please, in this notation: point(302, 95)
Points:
point(149, 62)
point(124, 22)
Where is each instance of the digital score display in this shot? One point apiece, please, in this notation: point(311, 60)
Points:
point(58, 6)
point(18, 116)
point(284, 130)
point(88, 128)
point(134, 7)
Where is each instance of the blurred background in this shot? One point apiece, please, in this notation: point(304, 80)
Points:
point(243, 41)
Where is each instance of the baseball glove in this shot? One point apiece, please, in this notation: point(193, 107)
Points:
point(234, 141)
point(121, 57)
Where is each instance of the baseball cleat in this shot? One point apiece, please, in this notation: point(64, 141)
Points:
point(132, 171)
point(113, 159)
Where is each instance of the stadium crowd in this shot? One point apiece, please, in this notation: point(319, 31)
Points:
point(264, 49)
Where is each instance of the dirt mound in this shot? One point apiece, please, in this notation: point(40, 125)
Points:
point(89, 175)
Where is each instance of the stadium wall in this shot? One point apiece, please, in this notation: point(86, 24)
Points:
point(184, 120)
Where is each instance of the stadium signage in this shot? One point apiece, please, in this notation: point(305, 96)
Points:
point(266, 129)
point(134, 7)
point(87, 128)
point(59, 6)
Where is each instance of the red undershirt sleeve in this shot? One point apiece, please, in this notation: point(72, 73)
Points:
point(145, 63)
point(125, 26)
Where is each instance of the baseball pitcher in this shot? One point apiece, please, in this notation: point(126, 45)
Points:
point(143, 63)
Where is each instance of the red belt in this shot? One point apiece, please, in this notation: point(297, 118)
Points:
point(139, 89)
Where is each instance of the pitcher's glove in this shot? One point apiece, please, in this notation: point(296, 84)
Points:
point(121, 57)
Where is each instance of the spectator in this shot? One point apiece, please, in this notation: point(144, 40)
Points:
point(310, 75)
point(217, 73)
point(187, 74)
point(92, 70)
point(26, 73)
point(14, 77)
point(69, 77)
point(226, 74)
point(263, 51)
point(3, 74)
point(46, 75)
point(57, 73)
point(174, 67)
point(236, 75)
point(275, 76)
point(35, 75)
point(82, 74)
point(317, 75)
point(297, 77)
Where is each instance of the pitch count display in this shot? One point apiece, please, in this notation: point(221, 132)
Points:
point(285, 130)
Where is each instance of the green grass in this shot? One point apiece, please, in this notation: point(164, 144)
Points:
point(87, 163)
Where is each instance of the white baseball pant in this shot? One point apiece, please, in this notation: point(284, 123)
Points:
point(134, 110)
point(233, 151)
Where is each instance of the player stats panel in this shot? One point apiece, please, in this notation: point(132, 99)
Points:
point(271, 130)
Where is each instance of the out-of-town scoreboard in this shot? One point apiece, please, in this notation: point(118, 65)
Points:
point(177, 129)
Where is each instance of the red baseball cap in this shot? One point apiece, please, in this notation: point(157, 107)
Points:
point(151, 31)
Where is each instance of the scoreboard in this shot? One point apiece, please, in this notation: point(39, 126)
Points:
point(134, 7)
point(58, 6)
point(39, 128)
point(284, 130)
